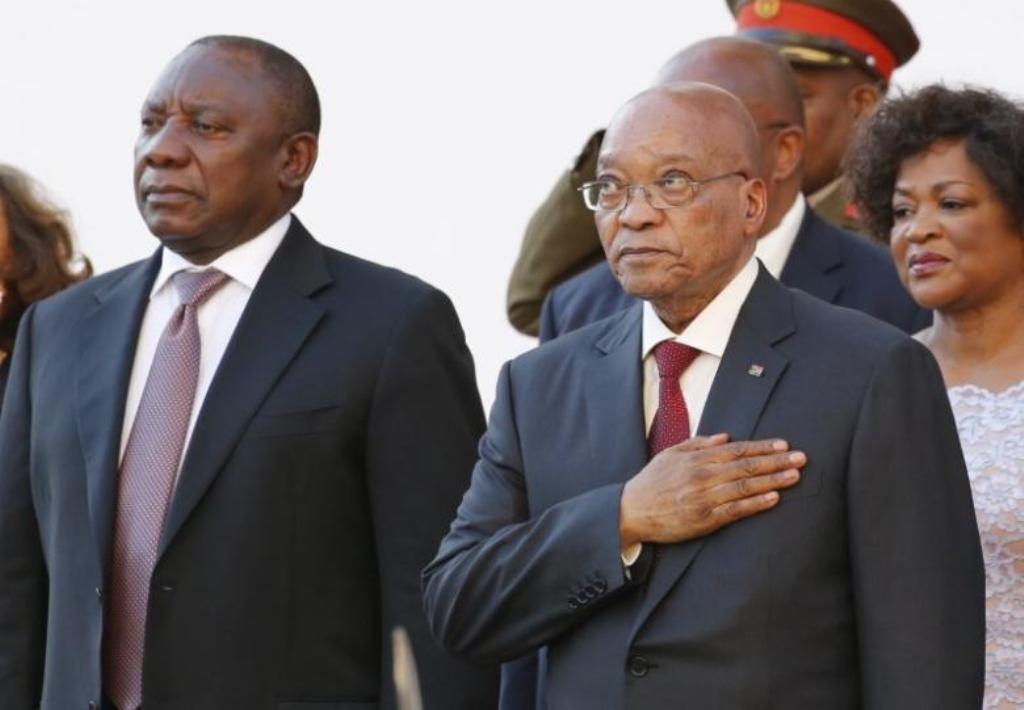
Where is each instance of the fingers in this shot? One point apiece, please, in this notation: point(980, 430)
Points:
point(754, 486)
point(745, 449)
point(698, 443)
point(757, 466)
point(745, 507)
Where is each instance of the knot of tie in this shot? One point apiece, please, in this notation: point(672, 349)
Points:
point(194, 287)
point(673, 358)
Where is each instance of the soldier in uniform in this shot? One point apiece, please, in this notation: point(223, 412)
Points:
point(844, 53)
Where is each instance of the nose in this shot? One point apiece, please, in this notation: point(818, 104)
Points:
point(163, 147)
point(921, 226)
point(638, 213)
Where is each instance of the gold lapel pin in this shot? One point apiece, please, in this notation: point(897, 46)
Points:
point(756, 370)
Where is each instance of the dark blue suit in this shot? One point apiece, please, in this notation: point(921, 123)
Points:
point(327, 460)
point(836, 266)
point(862, 590)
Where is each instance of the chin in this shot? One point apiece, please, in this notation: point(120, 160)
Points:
point(164, 226)
point(641, 287)
point(933, 297)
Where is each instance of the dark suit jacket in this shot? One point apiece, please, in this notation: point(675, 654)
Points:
point(825, 261)
point(5, 371)
point(328, 458)
point(864, 588)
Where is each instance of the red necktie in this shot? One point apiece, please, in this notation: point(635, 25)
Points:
point(146, 483)
point(671, 423)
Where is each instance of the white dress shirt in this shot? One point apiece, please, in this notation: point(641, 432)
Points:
point(709, 333)
point(773, 248)
point(218, 316)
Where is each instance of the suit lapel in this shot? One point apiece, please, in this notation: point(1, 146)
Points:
point(815, 263)
point(276, 322)
point(734, 405)
point(106, 353)
point(614, 401)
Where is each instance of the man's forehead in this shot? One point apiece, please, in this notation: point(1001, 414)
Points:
point(210, 72)
point(660, 132)
point(679, 152)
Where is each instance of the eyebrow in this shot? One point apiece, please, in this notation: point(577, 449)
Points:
point(937, 186)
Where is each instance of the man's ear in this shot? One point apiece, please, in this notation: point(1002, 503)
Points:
point(757, 206)
point(300, 151)
point(863, 99)
point(789, 152)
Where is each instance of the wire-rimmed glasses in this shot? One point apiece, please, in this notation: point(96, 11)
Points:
point(673, 191)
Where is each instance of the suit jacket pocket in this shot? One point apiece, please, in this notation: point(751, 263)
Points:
point(312, 421)
point(810, 485)
point(327, 705)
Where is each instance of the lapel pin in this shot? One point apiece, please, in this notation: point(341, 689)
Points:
point(756, 370)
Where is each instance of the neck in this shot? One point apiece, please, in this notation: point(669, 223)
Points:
point(207, 249)
point(779, 203)
point(678, 310)
point(980, 345)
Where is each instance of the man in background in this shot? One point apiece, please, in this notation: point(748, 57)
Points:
point(222, 468)
point(844, 52)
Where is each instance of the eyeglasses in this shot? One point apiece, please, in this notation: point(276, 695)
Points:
point(674, 191)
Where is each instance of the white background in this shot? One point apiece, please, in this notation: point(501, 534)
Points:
point(484, 103)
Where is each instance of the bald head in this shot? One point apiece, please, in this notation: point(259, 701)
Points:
point(752, 71)
point(728, 135)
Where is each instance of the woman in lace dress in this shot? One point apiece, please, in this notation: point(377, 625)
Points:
point(939, 174)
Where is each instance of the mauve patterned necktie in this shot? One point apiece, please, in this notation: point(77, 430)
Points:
point(146, 482)
point(671, 423)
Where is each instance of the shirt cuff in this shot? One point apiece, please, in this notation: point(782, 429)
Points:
point(632, 553)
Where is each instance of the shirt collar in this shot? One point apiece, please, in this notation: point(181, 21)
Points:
point(773, 248)
point(244, 264)
point(709, 332)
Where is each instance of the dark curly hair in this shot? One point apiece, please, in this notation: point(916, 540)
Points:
point(43, 259)
point(991, 124)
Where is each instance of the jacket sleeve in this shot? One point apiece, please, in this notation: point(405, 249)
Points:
point(422, 432)
point(560, 240)
point(918, 576)
point(23, 578)
point(549, 317)
point(504, 582)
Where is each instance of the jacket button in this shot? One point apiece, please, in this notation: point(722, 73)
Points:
point(574, 603)
point(99, 594)
point(601, 586)
point(93, 706)
point(638, 666)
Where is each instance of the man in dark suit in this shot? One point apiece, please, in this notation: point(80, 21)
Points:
point(814, 547)
point(797, 246)
point(222, 468)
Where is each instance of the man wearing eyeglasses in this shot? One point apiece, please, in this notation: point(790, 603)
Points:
point(796, 245)
point(812, 545)
point(844, 53)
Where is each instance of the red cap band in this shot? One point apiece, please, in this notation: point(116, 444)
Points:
point(807, 19)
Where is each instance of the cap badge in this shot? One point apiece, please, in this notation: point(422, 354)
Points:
point(756, 370)
point(767, 9)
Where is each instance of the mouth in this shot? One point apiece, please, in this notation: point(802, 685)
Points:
point(160, 195)
point(925, 264)
point(639, 253)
